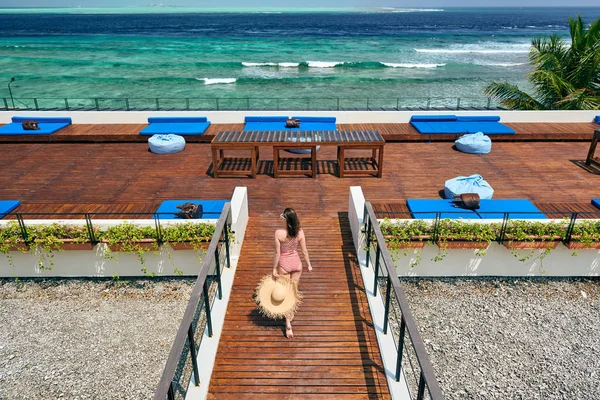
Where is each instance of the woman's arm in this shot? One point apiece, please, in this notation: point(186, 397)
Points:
point(305, 250)
point(277, 255)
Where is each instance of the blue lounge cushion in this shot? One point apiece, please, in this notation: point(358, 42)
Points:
point(423, 127)
point(468, 184)
point(47, 125)
point(169, 120)
point(596, 202)
point(478, 118)
point(489, 209)
point(521, 209)
point(184, 126)
point(211, 209)
point(597, 119)
point(477, 143)
point(259, 118)
point(166, 144)
point(304, 119)
point(7, 206)
point(433, 118)
point(436, 127)
point(489, 128)
point(427, 209)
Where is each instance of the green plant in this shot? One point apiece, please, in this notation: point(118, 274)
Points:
point(398, 234)
point(586, 232)
point(11, 238)
point(564, 76)
point(196, 234)
point(50, 238)
point(127, 237)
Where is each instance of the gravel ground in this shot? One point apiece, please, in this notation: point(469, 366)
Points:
point(511, 339)
point(82, 339)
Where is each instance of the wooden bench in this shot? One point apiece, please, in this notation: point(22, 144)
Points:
point(591, 160)
point(289, 140)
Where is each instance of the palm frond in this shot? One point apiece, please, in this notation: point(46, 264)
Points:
point(511, 97)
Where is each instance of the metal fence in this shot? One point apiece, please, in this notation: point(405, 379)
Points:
point(412, 357)
point(248, 104)
point(182, 363)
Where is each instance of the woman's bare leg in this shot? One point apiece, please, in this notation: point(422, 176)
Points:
point(288, 319)
point(294, 276)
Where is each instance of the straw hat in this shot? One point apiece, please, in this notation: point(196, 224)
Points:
point(276, 299)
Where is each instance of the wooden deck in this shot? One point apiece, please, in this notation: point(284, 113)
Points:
point(401, 132)
point(127, 177)
point(334, 354)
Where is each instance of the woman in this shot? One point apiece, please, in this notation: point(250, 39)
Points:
point(287, 261)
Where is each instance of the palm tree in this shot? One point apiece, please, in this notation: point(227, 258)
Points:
point(564, 77)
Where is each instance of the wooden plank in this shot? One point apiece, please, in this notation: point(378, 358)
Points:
point(334, 352)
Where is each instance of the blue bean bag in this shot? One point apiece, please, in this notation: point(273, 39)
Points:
point(468, 184)
point(166, 144)
point(597, 119)
point(476, 143)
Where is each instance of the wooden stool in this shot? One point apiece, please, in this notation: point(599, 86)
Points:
point(590, 157)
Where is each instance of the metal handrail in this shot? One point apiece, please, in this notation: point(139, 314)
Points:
point(184, 335)
point(251, 103)
point(427, 377)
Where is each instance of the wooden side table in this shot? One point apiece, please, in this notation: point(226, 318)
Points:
point(277, 172)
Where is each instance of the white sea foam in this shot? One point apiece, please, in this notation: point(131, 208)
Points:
point(270, 64)
point(396, 65)
point(478, 51)
point(323, 64)
point(260, 64)
point(499, 64)
point(411, 10)
point(215, 81)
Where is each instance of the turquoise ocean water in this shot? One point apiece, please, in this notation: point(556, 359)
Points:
point(382, 55)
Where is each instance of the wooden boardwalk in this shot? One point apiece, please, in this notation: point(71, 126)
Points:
point(334, 354)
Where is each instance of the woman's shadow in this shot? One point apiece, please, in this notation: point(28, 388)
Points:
point(260, 320)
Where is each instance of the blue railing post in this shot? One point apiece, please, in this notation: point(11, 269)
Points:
point(400, 349)
point(386, 317)
point(193, 355)
point(207, 308)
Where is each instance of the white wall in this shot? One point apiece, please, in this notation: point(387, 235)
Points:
point(343, 117)
point(93, 263)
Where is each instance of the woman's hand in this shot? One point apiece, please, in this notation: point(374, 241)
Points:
point(275, 275)
point(310, 268)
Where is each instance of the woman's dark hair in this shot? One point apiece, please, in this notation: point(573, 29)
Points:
point(292, 222)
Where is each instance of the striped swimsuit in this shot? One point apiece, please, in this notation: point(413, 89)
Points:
point(289, 259)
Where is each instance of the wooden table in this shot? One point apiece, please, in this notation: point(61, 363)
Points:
point(288, 140)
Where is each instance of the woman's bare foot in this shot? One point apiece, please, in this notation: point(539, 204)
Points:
point(288, 331)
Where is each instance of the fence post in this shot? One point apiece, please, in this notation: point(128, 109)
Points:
point(570, 228)
point(226, 233)
point(5, 103)
point(35, 102)
point(421, 390)
point(193, 355)
point(277, 103)
point(248, 103)
point(377, 257)
point(397, 103)
point(428, 102)
point(489, 103)
point(157, 104)
point(97, 104)
point(217, 102)
point(90, 228)
point(207, 309)
point(127, 103)
point(308, 103)
point(187, 104)
point(338, 104)
point(23, 228)
point(158, 228)
point(400, 348)
point(386, 317)
point(502, 234)
point(368, 109)
point(218, 268)
point(436, 226)
point(67, 104)
point(368, 233)
point(458, 104)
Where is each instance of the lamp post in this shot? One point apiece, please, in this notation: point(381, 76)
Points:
point(10, 91)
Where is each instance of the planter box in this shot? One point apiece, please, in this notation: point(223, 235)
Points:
point(69, 244)
point(144, 244)
point(189, 246)
point(407, 245)
point(22, 247)
point(583, 246)
point(463, 244)
point(516, 245)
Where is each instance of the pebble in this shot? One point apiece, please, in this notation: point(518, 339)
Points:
point(517, 339)
point(87, 339)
